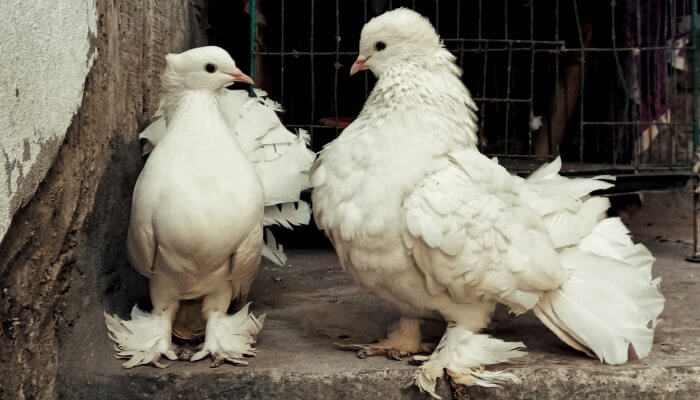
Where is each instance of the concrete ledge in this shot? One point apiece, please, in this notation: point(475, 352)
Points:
point(311, 304)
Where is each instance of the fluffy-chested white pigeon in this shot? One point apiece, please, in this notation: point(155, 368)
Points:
point(426, 222)
point(196, 231)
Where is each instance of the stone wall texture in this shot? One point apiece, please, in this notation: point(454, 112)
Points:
point(84, 79)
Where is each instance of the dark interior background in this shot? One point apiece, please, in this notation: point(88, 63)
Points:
point(492, 67)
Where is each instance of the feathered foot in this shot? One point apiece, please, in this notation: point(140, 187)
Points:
point(463, 354)
point(230, 337)
point(403, 340)
point(143, 339)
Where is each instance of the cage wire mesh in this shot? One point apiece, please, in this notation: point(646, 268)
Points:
point(608, 85)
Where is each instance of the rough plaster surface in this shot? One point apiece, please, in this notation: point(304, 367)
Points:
point(68, 236)
point(44, 65)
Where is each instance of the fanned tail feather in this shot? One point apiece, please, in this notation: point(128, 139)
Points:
point(287, 215)
point(283, 168)
point(272, 251)
point(610, 304)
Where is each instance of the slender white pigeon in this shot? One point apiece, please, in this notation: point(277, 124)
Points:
point(217, 159)
point(426, 222)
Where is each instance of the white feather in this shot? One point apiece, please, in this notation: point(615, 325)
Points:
point(196, 218)
point(462, 354)
point(272, 251)
point(423, 220)
point(287, 215)
point(282, 158)
point(233, 336)
point(142, 339)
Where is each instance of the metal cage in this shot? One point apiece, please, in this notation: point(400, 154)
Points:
point(608, 85)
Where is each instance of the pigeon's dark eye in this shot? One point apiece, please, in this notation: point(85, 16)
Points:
point(209, 67)
point(379, 46)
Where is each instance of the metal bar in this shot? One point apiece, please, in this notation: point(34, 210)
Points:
point(366, 78)
point(509, 68)
point(694, 52)
point(500, 100)
point(305, 53)
point(668, 56)
point(437, 15)
point(282, 50)
point(532, 74)
point(492, 50)
point(556, 78)
point(696, 140)
point(252, 39)
point(647, 82)
point(505, 19)
point(637, 123)
point(251, 49)
point(483, 87)
point(511, 41)
point(509, 73)
point(583, 71)
point(313, 71)
point(459, 33)
point(620, 76)
point(482, 109)
point(336, 65)
point(478, 29)
point(637, 132)
point(673, 132)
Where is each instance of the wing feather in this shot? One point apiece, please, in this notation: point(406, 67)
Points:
point(471, 234)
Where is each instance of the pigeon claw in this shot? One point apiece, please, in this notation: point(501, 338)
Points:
point(217, 360)
point(383, 349)
point(199, 355)
point(156, 362)
point(184, 353)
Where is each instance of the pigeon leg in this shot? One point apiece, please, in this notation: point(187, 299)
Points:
point(147, 336)
point(227, 337)
point(404, 339)
point(463, 352)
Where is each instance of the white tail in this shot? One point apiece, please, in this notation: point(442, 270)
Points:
point(610, 304)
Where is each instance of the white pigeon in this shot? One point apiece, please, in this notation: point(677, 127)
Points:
point(196, 228)
point(426, 222)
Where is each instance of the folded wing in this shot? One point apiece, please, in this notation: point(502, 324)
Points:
point(471, 235)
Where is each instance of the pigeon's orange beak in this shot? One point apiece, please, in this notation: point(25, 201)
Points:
point(359, 65)
point(239, 76)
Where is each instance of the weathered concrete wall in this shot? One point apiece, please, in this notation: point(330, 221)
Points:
point(72, 187)
point(44, 66)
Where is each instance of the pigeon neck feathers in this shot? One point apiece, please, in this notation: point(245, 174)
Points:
point(175, 95)
point(428, 84)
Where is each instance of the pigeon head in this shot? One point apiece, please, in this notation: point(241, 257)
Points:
point(207, 68)
point(397, 36)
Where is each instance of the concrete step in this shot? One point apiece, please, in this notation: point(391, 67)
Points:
point(311, 305)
